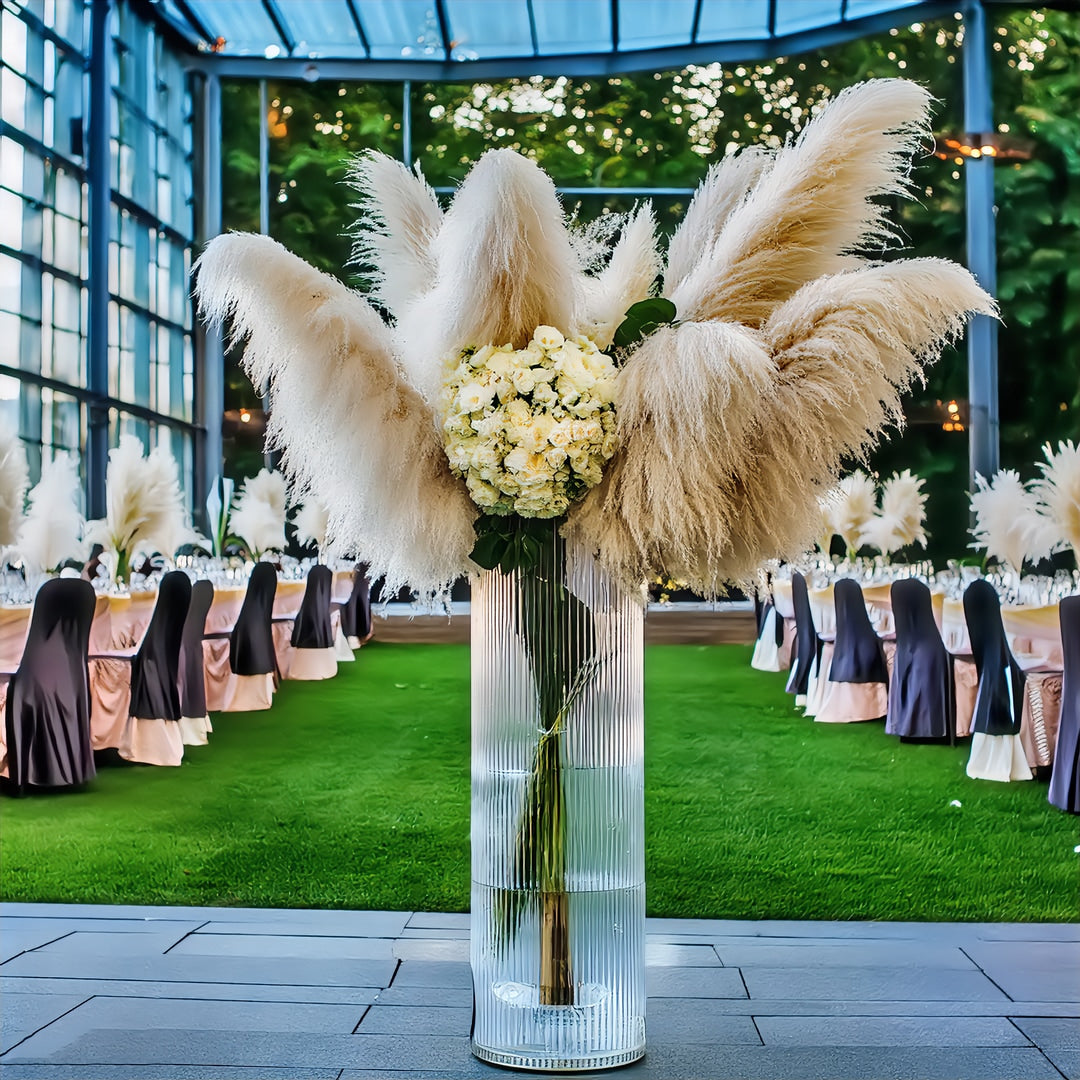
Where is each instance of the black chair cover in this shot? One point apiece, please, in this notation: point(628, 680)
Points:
point(778, 622)
point(251, 644)
point(999, 701)
point(1065, 779)
point(857, 655)
point(922, 699)
point(48, 702)
point(155, 667)
point(807, 646)
point(356, 612)
point(311, 627)
point(192, 665)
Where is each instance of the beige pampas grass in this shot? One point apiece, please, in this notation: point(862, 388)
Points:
point(1008, 525)
point(853, 504)
point(143, 503)
point(310, 523)
point(258, 513)
point(14, 479)
point(813, 208)
point(52, 530)
point(352, 430)
point(1057, 494)
point(899, 520)
point(394, 238)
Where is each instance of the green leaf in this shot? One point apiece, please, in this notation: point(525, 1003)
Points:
point(489, 550)
point(643, 318)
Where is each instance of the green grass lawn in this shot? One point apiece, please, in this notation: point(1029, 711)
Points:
point(355, 794)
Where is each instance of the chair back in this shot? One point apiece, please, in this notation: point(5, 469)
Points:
point(1065, 779)
point(47, 717)
point(192, 678)
point(806, 639)
point(921, 696)
point(154, 670)
point(356, 612)
point(251, 644)
point(999, 700)
point(311, 627)
point(857, 655)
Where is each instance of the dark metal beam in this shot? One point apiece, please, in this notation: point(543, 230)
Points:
point(197, 24)
point(443, 20)
point(982, 338)
point(532, 27)
point(358, 24)
point(98, 159)
point(614, 26)
point(696, 24)
point(281, 27)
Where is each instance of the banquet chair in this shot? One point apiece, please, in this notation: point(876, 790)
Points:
point(769, 647)
point(996, 750)
point(311, 647)
point(151, 734)
point(47, 711)
point(807, 650)
point(356, 612)
point(857, 686)
point(922, 695)
point(1065, 779)
point(194, 717)
point(252, 662)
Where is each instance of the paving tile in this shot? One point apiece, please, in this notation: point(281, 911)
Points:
point(943, 1031)
point(1068, 1061)
point(258, 1049)
point(447, 934)
point(12, 943)
point(370, 924)
point(441, 996)
point(1029, 932)
point(329, 995)
point(702, 982)
point(99, 943)
point(164, 1072)
point(438, 920)
point(833, 954)
point(453, 951)
point(1051, 1034)
point(428, 973)
point(422, 1020)
point(698, 1020)
point(226, 969)
point(863, 984)
point(1028, 970)
point(670, 954)
point(816, 931)
point(309, 948)
point(26, 1013)
point(21, 923)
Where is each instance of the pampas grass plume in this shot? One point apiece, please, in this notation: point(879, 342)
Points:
point(14, 479)
point(258, 515)
point(1057, 493)
point(1008, 525)
point(309, 525)
point(52, 531)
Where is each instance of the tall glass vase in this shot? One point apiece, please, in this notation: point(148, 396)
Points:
point(558, 867)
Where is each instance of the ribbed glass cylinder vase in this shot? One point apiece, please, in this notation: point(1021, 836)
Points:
point(558, 863)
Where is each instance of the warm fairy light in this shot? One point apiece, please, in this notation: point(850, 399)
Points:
point(245, 416)
point(953, 407)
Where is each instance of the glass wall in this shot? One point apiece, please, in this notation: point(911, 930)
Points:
point(44, 214)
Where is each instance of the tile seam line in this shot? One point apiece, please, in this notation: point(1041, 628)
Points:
point(184, 937)
point(1031, 1041)
point(985, 976)
point(25, 952)
point(49, 1024)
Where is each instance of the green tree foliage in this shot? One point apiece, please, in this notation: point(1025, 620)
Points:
point(663, 129)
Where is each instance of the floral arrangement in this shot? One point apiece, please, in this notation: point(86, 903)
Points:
point(1057, 494)
point(258, 514)
point(846, 510)
point(900, 516)
point(14, 480)
point(1008, 525)
point(51, 532)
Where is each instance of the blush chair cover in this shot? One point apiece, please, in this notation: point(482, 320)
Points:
point(922, 698)
point(152, 733)
point(996, 750)
point(252, 662)
point(47, 715)
point(194, 717)
point(807, 648)
point(857, 686)
point(311, 652)
point(1065, 779)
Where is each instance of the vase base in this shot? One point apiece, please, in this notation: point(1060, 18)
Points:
point(542, 1062)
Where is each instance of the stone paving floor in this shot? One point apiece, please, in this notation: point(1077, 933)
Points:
point(111, 993)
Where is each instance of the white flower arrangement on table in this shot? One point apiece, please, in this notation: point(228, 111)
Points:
point(1008, 525)
point(1057, 494)
point(775, 350)
point(900, 517)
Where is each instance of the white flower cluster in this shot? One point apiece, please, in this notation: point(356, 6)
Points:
point(530, 430)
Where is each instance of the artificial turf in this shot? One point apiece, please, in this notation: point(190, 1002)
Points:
point(354, 793)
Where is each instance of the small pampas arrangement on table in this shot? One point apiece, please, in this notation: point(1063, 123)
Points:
point(14, 480)
point(144, 506)
point(1008, 524)
point(1057, 494)
point(847, 509)
point(52, 531)
point(775, 350)
point(258, 514)
point(899, 519)
point(310, 523)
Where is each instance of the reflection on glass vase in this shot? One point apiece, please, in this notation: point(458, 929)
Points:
point(558, 866)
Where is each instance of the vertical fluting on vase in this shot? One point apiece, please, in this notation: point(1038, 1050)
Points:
point(558, 866)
